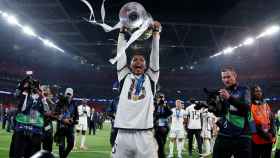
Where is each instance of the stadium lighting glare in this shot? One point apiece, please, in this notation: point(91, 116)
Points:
point(48, 43)
point(29, 72)
point(27, 30)
point(12, 20)
point(228, 50)
point(191, 67)
point(51, 44)
point(249, 41)
point(5, 15)
point(217, 54)
point(270, 31)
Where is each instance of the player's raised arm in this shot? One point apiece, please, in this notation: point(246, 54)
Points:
point(153, 70)
point(122, 67)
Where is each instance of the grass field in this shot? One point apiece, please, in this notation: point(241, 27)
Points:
point(98, 145)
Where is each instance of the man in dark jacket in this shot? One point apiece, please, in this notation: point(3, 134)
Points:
point(161, 114)
point(67, 118)
point(234, 137)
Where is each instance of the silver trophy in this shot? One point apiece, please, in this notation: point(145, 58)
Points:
point(133, 17)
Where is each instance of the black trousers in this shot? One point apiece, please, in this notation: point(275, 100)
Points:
point(24, 145)
point(4, 122)
point(196, 133)
point(113, 136)
point(261, 150)
point(161, 136)
point(48, 140)
point(92, 127)
point(239, 147)
point(67, 134)
point(277, 153)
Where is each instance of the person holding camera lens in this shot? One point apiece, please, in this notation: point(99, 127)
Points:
point(26, 139)
point(161, 115)
point(234, 137)
point(84, 114)
point(67, 116)
point(265, 134)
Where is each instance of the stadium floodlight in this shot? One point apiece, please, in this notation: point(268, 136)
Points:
point(228, 50)
point(4, 14)
point(191, 67)
point(217, 54)
point(27, 30)
point(48, 43)
point(29, 72)
point(270, 31)
point(12, 20)
point(51, 44)
point(249, 41)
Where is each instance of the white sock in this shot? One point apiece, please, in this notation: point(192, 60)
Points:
point(183, 143)
point(212, 142)
point(83, 141)
point(207, 146)
point(75, 139)
point(171, 146)
point(179, 147)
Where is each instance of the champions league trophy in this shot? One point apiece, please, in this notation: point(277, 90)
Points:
point(133, 17)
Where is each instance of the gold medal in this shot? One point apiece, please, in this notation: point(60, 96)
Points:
point(135, 97)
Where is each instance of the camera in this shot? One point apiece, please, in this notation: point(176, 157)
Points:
point(29, 84)
point(160, 99)
point(214, 103)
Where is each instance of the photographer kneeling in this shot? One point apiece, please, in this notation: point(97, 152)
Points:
point(234, 137)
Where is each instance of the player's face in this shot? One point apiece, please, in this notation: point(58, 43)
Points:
point(138, 65)
point(228, 78)
point(178, 104)
point(258, 93)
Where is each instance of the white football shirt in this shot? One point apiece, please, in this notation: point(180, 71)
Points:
point(84, 114)
point(135, 111)
point(194, 117)
point(177, 119)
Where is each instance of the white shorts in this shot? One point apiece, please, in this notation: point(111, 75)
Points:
point(177, 133)
point(135, 144)
point(81, 127)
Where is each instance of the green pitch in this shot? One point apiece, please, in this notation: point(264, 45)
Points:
point(98, 145)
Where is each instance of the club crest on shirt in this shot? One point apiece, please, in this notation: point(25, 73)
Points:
point(132, 90)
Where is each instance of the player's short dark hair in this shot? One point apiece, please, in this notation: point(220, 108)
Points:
point(136, 52)
point(228, 68)
point(253, 88)
point(131, 52)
